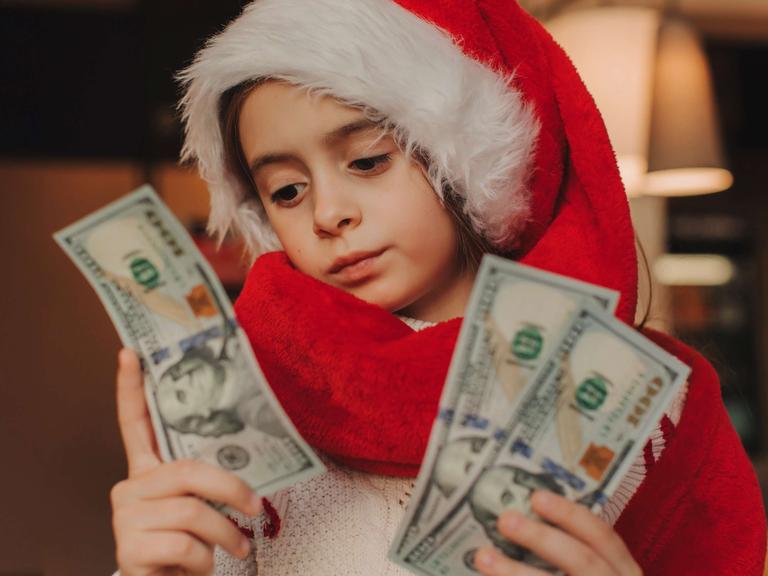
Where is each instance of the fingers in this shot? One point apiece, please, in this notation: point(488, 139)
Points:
point(579, 543)
point(493, 563)
point(166, 504)
point(553, 545)
point(189, 477)
point(168, 549)
point(185, 514)
point(160, 518)
point(588, 528)
point(133, 416)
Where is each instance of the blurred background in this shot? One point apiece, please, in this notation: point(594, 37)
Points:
point(87, 114)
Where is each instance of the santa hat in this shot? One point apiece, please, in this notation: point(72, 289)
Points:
point(480, 86)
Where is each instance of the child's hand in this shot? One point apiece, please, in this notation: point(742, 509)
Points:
point(161, 526)
point(583, 545)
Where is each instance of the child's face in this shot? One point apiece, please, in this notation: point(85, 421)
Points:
point(349, 210)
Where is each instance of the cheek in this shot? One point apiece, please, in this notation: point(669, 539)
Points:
point(419, 219)
point(302, 250)
point(428, 230)
point(291, 231)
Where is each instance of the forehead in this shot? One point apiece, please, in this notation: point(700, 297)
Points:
point(276, 113)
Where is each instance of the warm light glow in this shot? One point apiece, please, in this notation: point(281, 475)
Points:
point(693, 270)
point(687, 181)
point(651, 82)
point(613, 49)
point(686, 155)
point(633, 168)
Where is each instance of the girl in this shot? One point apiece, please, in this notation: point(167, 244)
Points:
point(369, 152)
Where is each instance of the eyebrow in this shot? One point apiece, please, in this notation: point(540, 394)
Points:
point(329, 139)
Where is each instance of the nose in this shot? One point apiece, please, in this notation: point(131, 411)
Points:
point(335, 208)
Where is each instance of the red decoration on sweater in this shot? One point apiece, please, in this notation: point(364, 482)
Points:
point(244, 530)
point(270, 528)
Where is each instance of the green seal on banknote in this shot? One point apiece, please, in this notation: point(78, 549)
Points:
point(591, 393)
point(528, 343)
point(145, 273)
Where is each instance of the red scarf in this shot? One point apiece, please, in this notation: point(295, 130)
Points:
point(358, 383)
point(363, 388)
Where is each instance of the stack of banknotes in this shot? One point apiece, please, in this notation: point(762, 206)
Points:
point(546, 389)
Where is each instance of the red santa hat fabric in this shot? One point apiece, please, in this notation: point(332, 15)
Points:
point(480, 87)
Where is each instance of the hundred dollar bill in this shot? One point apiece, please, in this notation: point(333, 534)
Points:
point(522, 316)
point(207, 396)
point(515, 317)
point(615, 384)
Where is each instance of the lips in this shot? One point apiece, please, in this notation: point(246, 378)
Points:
point(354, 264)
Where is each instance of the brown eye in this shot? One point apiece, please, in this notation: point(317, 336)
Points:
point(370, 164)
point(287, 194)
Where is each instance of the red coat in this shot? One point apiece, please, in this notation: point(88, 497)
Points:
point(699, 510)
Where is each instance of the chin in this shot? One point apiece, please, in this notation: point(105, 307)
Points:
point(380, 294)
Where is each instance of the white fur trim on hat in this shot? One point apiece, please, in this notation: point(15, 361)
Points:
point(477, 130)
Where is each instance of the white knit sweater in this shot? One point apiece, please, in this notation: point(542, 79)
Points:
point(342, 523)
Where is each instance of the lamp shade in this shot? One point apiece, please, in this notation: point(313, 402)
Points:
point(686, 155)
point(651, 82)
point(614, 49)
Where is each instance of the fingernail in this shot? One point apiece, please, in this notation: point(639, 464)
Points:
point(485, 558)
point(510, 520)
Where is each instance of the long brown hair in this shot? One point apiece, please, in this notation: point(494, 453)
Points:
point(646, 269)
point(470, 245)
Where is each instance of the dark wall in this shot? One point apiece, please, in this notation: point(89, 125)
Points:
point(85, 102)
point(732, 332)
point(98, 84)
